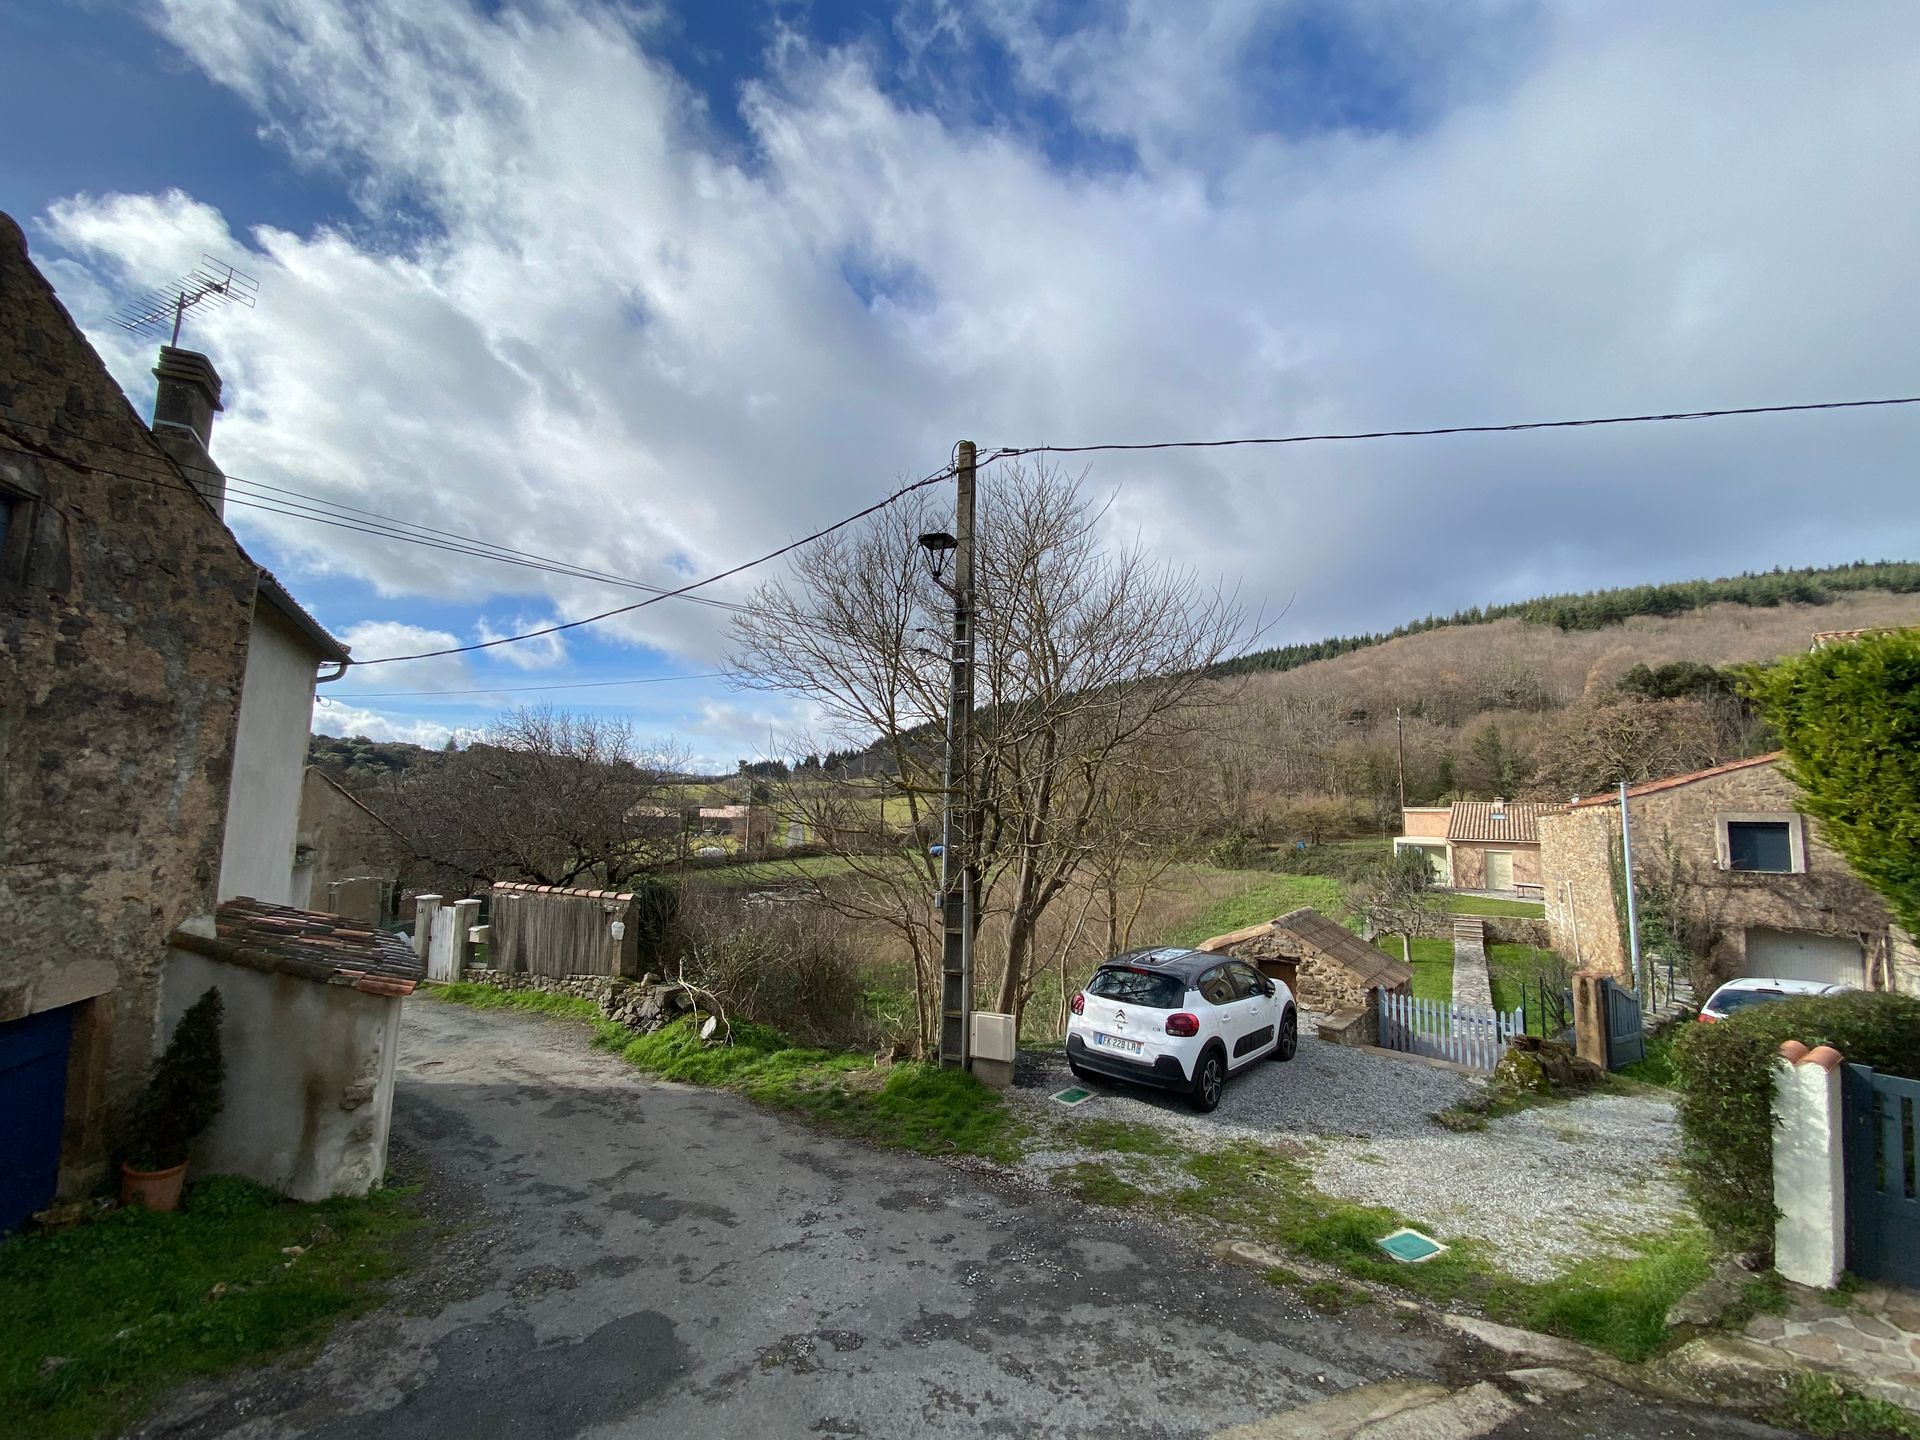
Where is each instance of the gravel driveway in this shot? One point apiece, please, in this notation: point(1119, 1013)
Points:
point(1544, 1188)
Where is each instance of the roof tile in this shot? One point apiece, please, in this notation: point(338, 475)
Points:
point(327, 949)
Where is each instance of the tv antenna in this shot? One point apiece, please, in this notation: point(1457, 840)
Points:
point(211, 282)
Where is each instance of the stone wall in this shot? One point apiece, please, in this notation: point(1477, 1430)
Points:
point(640, 1005)
point(1675, 833)
point(1327, 985)
point(340, 839)
point(124, 609)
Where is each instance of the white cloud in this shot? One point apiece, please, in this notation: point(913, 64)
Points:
point(346, 721)
point(376, 639)
point(545, 652)
point(616, 337)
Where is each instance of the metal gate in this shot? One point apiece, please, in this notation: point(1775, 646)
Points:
point(1626, 1035)
point(1883, 1176)
point(33, 1078)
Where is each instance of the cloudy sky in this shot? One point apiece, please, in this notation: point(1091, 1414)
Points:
point(654, 289)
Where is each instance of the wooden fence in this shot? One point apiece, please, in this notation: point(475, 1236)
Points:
point(1465, 1034)
point(543, 930)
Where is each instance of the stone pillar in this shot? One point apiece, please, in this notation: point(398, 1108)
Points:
point(1590, 1016)
point(423, 910)
point(466, 913)
point(1809, 1172)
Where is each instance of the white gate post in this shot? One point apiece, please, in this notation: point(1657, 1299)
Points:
point(1809, 1172)
point(424, 907)
point(465, 913)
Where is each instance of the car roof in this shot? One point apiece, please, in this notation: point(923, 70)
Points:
point(1785, 987)
point(1174, 960)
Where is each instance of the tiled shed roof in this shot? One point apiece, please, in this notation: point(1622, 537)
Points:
point(1512, 823)
point(327, 949)
point(1369, 966)
point(1673, 782)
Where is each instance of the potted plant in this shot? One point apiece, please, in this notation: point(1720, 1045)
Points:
point(180, 1101)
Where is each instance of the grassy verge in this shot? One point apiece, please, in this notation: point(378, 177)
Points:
point(1618, 1305)
point(1822, 1406)
point(910, 1107)
point(1656, 1067)
point(100, 1319)
point(1432, 966)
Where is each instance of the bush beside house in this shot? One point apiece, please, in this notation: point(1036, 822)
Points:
point(1726, 1096)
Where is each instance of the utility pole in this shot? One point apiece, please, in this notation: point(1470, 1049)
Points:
point(1400, 743)
point(1633, 909)
point(959, 873)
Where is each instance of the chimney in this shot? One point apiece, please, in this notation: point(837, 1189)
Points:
point(183, 409)
point(1499, 808)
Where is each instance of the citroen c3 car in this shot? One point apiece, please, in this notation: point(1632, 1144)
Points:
point(1180, 1020)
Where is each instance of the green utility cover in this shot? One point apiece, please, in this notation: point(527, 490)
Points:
point(1410, 1246)
point(1074, 1096)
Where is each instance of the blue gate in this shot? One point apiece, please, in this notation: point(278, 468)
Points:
point(1883, 1176)
point(1626, 1032)
point(33, 1078)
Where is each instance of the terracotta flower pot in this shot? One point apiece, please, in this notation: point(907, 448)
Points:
point(155, 1189)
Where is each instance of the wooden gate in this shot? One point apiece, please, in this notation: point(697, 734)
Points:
point(1883, 1176)
point(1626, 1033)
point(1471, 1035)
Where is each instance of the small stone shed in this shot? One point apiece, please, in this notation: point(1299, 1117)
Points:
point(1328, 967)
point(311, 1031)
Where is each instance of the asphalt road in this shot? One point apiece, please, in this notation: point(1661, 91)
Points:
point(627, 1258)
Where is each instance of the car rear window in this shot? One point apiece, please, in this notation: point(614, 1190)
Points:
point(1148, 988)
point(1730, 1000)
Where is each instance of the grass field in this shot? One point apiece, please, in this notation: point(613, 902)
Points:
point(1480, 905)
point(769, 872)
point(1264, 896)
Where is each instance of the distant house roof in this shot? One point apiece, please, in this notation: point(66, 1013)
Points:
point(725, 812)
point(1308, 926)
point(327, 949)
point(1511, 821)
point(1673, 782)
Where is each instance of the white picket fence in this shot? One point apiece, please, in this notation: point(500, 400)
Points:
point(1465, 1034)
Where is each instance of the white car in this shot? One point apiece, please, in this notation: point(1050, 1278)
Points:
point(1738, 994)
point(1180, 1020)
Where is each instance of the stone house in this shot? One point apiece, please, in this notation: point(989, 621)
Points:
point(155, 679)
point(1477, 844)
point(1328, 967)
point(1746, 871)
point(346, 859)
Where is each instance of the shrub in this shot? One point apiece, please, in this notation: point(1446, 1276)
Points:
point(778, 963)
point(1726, 1096)
point(183, 1093)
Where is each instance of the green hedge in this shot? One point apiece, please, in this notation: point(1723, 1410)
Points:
point(1726, 1095)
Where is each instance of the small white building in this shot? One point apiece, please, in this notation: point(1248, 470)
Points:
point(310, 1035)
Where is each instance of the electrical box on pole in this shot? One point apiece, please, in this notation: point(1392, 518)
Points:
point(959, 868)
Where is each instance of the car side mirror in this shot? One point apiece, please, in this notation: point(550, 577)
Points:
point(1267, 988)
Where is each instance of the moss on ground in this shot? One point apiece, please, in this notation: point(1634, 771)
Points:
point(1096, 1184)
point(100, 1319)
point(1823, 1406)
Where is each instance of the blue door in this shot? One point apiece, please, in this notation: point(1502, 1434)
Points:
point(33, 1080)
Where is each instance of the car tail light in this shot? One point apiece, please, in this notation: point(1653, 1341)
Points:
point(1079, 1003)
point(1183, 1024)
point(1705, 1019)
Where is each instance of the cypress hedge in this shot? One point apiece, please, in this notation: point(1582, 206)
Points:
point(1726, 1094)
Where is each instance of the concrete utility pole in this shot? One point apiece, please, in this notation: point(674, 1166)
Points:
point(1633, 909)
point(959, 871)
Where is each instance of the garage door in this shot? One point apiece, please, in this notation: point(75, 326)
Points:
point(1802, 955)
point(33, 1078)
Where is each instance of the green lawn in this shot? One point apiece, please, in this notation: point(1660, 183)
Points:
point(1267, 895)
point(100, 1319)
point(1480, 905)
point(1432, 966)
point(770, 872)
point(1509, 967)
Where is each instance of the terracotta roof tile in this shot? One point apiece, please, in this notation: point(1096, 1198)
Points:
point(1332, 939)
point(327, 949)
point(1513, 822)
point(1651, 787)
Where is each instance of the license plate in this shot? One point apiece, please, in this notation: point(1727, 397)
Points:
point(1114, 1042)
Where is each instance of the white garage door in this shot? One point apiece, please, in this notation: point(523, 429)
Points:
point(1802, 955)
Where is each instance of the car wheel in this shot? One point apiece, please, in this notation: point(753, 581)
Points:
point(1208, 1081)
point(1289, 1040)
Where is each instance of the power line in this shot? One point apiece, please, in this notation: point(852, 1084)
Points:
point(920, 484)
point(516, 689)
point(389, 526)
point(1011, 452)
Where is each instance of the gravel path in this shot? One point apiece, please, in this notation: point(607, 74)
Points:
point(1324, 1090)
point(1544, 1187)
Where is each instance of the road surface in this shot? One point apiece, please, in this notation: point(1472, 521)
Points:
point(627, 1258)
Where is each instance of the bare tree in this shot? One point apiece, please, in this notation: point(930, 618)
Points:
point(1397, 899)
point(1091, 673)
point(544, 795)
